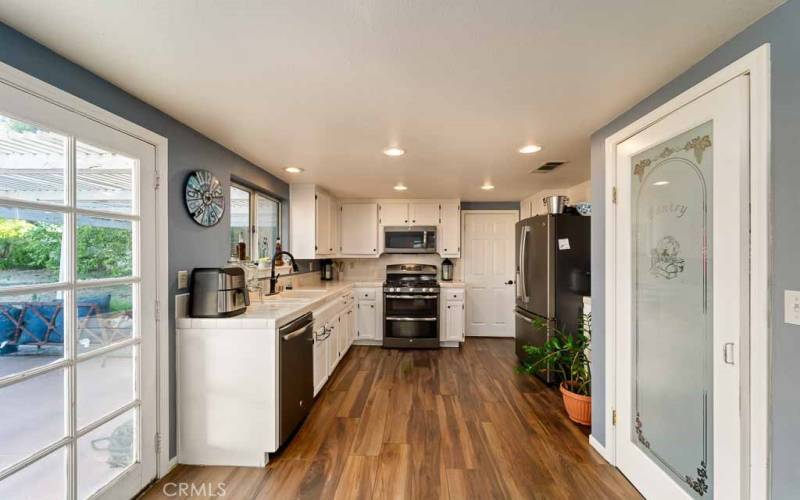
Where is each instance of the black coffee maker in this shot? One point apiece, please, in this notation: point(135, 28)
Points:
point(326, 270)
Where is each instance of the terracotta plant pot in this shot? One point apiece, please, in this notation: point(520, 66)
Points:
point(579, 408)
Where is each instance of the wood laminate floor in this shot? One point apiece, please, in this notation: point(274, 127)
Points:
point(441, 424)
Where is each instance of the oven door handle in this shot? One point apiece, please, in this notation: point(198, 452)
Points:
point(412, 296)
point(403, 318)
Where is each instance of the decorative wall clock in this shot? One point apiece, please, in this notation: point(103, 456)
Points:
point(205, 198)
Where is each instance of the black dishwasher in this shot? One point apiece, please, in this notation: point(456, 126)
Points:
point(296, 340)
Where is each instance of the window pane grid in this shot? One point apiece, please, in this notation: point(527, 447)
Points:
point(256, 217)
point(114, 175)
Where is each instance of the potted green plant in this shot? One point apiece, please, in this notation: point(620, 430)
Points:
point(567, 355)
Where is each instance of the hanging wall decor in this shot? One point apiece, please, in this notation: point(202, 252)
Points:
point(204, 198)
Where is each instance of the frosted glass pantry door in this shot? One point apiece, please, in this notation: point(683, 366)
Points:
point(683, 260)
point(672, 324)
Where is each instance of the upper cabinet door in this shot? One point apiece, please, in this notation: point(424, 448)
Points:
point(324, 244)
point(424, 213)
point(525, 210)
point(394, 213)
point(359, 229)
point(449, 237)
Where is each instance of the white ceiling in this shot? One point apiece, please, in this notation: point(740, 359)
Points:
point(327, 84)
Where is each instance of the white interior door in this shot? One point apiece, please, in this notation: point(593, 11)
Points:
point(77, 311)
point(682, 308)
point(489, 272)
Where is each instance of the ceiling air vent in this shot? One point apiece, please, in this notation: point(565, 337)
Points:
point(548, 166)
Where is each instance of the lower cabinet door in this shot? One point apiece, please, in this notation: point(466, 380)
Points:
point(454, 321)
point(320, 364)
point(333, 344)
point(342, 334)
point(366, 320)
point(351, 326)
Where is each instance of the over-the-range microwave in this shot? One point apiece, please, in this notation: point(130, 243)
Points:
point(409, 239)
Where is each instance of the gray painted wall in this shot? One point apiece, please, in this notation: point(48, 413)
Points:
point(781, 28)
point(190, 245)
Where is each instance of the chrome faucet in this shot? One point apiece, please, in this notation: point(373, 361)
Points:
point(273, 279)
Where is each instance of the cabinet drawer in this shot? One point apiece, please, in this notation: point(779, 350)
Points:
point(454, 295)
point(365, 294)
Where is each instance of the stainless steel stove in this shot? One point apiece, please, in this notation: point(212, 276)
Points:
point(411, 306)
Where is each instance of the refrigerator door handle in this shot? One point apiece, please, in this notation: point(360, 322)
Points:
point(522, 286)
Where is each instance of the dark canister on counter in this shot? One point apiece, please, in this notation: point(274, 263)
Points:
point(326, 269)
point(447, 270)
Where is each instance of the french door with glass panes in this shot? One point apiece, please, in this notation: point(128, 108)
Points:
point(682, 282)
point(77, 322)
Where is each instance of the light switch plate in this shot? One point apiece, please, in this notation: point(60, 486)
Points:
point(792, 306)
point(183, 279)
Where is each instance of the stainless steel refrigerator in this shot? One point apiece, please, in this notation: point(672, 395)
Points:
point(553, 276)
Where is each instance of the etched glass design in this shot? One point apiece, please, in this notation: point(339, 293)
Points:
point(672, 317)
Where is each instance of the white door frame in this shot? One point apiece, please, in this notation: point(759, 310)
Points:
point(463, 247)
point(27, 83)
point(757, 65)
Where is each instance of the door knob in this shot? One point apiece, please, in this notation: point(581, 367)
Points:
point(510, 282)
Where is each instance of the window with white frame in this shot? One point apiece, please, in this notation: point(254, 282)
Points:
point(256, 220)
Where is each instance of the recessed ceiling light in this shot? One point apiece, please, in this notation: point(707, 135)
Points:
point(293, 170)
point(661, 183)
point(400, 187)
point(487, 187)
point(394, 151)
point(530, 149)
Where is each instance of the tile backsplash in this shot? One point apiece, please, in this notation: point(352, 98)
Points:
point(375, 269)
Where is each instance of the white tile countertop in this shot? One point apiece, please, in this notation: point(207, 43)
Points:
point(277, 310)
point(451, 284)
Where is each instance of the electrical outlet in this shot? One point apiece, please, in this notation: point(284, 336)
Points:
point(792, 307)
point(183, 279)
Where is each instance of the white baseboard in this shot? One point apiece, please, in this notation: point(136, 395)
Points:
point(600, 449)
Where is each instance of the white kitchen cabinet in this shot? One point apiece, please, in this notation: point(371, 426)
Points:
point(324, 244)
point(393, 213)
point(335, 225)
point(321, 371)
point(367, 321)
point(333, 343)
point(369, 315)
point(424, 212)
point(452, 315)
point(409, 212)
point(311, 222)
point(359, 229)
point(449, 233)
point(343, 334)
point(351, 325)
point(525, 208)
point(454, 322)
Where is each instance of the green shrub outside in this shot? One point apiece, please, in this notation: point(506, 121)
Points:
point(103, 251)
